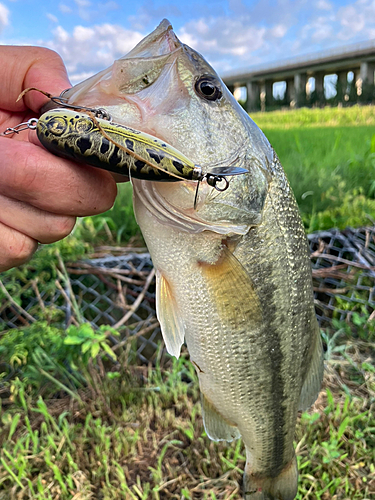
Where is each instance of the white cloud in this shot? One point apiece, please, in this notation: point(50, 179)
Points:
point(271, 31)
point(224, 40)
point(61, 35)
point(357, 20)
point(52, 18)
point(83, 3)
point(86, 51)
point(225, 36)
point(84, 9)
point(323, 5)
point(4, 16)
point(279, 31)
point(266, 31)
point(322, 32)
point(351, 19)
point(80, 77)
point(65, 9)
point(201, 27)
point(83, 34)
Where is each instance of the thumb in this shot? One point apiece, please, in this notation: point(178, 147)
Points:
point(24, 67)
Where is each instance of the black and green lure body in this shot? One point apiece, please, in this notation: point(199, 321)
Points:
point(114, 147)
point(87, 138)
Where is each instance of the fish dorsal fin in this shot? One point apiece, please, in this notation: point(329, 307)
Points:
point(168, 315)
point(217, 428)
point(313, 379)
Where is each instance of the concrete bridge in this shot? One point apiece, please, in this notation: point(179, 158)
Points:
point(297, 73)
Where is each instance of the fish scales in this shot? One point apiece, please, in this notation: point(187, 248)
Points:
point(233, 276)
point(286, 308)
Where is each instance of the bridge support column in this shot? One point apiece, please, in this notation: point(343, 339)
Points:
point(367, 72)
point(342, 85)
point(365, 82)
point(231, 88)
point(262, 86)
point(300, 81)
point(357, 82)
point(319, 86)
point(253, 96)
point(269, 92)
point(289, 91)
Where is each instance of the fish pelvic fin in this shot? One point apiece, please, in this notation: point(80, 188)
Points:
point(216, 427)
point(282, 487)
point(313, 379)
point(169, 317)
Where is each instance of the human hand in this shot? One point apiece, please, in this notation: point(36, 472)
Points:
point(40, 194)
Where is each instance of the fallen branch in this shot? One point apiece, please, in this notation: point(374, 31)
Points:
point(137, 302)
point(14, 303)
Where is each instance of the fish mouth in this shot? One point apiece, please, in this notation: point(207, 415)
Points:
point(160, 42)
point(131, 87)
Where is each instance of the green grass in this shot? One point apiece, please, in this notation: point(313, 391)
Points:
point(137, 433)
point(331, 171)
point(77, 424)
point(329, 157)
point(306, 117)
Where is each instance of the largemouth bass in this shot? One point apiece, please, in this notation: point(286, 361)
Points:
point(233, 272)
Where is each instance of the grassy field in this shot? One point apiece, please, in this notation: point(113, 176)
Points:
point(329, 157)
point(136, 433)
point(331, 171)
point(80, 421)
point(318, 117)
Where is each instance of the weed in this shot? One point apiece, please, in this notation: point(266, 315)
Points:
point(152, 445)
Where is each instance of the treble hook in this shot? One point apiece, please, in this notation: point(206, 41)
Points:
point(97, 112)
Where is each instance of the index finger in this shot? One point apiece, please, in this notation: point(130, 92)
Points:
point(24, 67)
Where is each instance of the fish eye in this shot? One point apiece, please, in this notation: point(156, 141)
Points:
point(208, 87)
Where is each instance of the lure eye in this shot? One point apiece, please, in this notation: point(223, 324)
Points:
point(208, 87)
point(57, 125)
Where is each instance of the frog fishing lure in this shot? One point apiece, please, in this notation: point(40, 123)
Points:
point(120, 149)
point(89, 136)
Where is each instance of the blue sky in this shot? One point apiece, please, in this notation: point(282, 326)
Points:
point(233, 34)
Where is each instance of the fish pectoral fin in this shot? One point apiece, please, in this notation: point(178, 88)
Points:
point(232, 291)
point(217, 428)
point(168, 315)
point(313, 379)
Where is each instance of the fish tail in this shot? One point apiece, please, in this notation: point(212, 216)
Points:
point(282, 487)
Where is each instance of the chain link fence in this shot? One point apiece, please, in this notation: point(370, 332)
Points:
point(343, 267)
point(120, 290)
